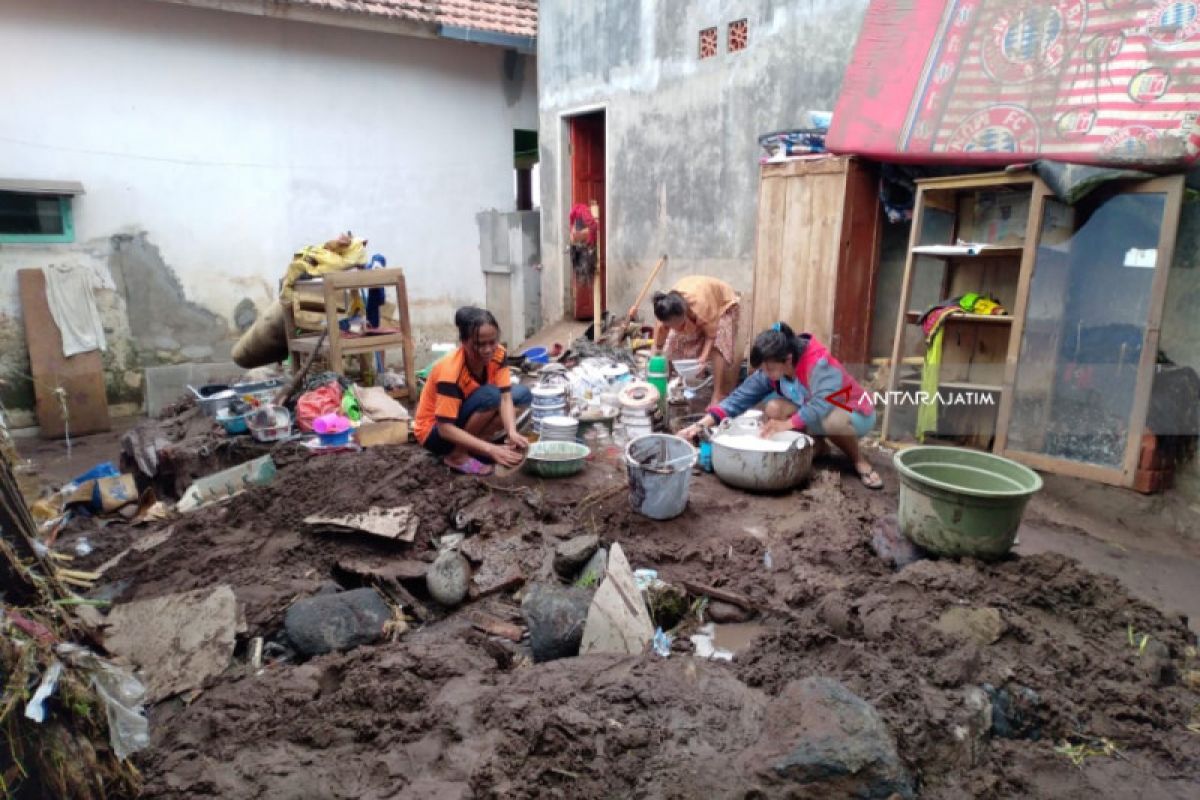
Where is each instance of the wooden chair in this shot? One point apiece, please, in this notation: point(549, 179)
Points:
point(337, 345)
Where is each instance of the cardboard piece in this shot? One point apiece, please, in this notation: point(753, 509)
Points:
point(178, 641)
point(390, 523)
point(377, 434)
point(105, 495)
point(618, 620)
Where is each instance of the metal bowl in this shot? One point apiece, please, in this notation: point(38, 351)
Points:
point(556, 459)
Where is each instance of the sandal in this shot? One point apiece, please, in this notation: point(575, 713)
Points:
point(871, 479)
point(471, 466)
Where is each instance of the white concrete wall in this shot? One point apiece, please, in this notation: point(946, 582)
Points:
point(232, 140)
point(681, 132)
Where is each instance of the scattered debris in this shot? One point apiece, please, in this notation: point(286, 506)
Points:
point(338, 621)
point(891, 545)
point(982, 625)
point(449, 578)
point(1015, 712)
point(834, 739)
point(618, 620)
point(398, 523)
point(594, 570)
point(572, 554)
point(178, 641)
point(556, 617)
point(727, 613)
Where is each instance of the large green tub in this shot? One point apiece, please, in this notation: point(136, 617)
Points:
point(957, 502)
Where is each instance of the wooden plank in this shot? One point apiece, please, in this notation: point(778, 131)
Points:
point(733, 598)
point(772, 221)
point(854, 302)
point(799, 241)
point(905, 294)
point(1072, 469)
point(803, 167)
point(982, 180)
point(80, 377)
point(1172, 187)
point(827, 194)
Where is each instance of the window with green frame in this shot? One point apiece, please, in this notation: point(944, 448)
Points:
point(31, 218)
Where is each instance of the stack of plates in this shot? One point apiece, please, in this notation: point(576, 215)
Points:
point(548, 401)
point(559, 429)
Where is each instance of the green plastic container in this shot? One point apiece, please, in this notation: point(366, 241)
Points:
point(657, 376)
point(957, 502)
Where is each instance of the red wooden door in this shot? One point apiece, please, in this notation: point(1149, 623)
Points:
point(587, 185)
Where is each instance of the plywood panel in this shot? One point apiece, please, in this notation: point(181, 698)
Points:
point(797, 246)
point(858, 258)
point(80, 377)
point(768, 265)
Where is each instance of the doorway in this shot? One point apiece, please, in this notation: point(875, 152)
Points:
point(586, 138)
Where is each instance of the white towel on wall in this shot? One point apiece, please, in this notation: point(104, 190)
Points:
point(73, 306)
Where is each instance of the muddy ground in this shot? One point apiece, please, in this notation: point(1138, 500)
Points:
point(447, 711)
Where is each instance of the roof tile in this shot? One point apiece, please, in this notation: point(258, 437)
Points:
point(512, 17)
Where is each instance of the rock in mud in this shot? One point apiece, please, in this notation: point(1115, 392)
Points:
point(573, 554)
point(594, 571)
point(1015, 712)
point(340, 621)
point(668, 604)
point(727, 613)
point(555, 616)
point(843, 749)
point(893, 546)
point(981, 625)
point(449, 578)
point(1155, 662)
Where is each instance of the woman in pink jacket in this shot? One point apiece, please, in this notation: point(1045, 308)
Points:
point(806, 389)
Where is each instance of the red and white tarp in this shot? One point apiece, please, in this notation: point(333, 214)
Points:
point(1001, 81)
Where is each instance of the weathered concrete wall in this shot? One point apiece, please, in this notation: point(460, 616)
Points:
point(213, 145)
point(681, 138)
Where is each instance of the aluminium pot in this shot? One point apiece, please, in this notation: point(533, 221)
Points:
point(744, 465)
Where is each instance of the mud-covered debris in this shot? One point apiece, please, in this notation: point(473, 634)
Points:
point(981, 625)
point(556, 616)
point(834, 740)
point(338, 621)
point(618, 620)
point(1016, 712)
point(572, 554)
point(594, 570)
point(449, 578)
point(893, 546)
point(725, 613)
point(177, 641)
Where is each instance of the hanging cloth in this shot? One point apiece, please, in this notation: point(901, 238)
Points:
point(73, 306)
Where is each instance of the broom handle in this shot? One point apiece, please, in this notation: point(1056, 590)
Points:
point(645, 289)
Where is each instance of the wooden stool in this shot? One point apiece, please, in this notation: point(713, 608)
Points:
point(338, 345)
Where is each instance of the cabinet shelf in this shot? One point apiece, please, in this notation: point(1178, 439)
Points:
point(914, 318)
point(952, 251)
point(957, 386)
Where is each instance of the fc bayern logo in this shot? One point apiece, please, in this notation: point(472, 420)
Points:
point(1026, 43)
point(1132, 143)
point(997, 129)
point(1173, 23)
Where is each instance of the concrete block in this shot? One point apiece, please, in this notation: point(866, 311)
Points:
point(165, 385)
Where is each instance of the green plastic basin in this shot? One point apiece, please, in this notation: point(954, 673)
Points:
point(956, 502)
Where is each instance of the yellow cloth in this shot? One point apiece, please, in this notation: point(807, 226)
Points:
point(707, 299)
point(927, 414)
point(314, 260)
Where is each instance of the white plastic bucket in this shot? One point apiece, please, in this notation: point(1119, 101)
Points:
point(660, 473)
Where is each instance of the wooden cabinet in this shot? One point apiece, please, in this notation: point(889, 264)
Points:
point(819, 225)
point(1061, 381)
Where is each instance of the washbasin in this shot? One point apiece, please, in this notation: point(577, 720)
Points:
point(959, 502)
